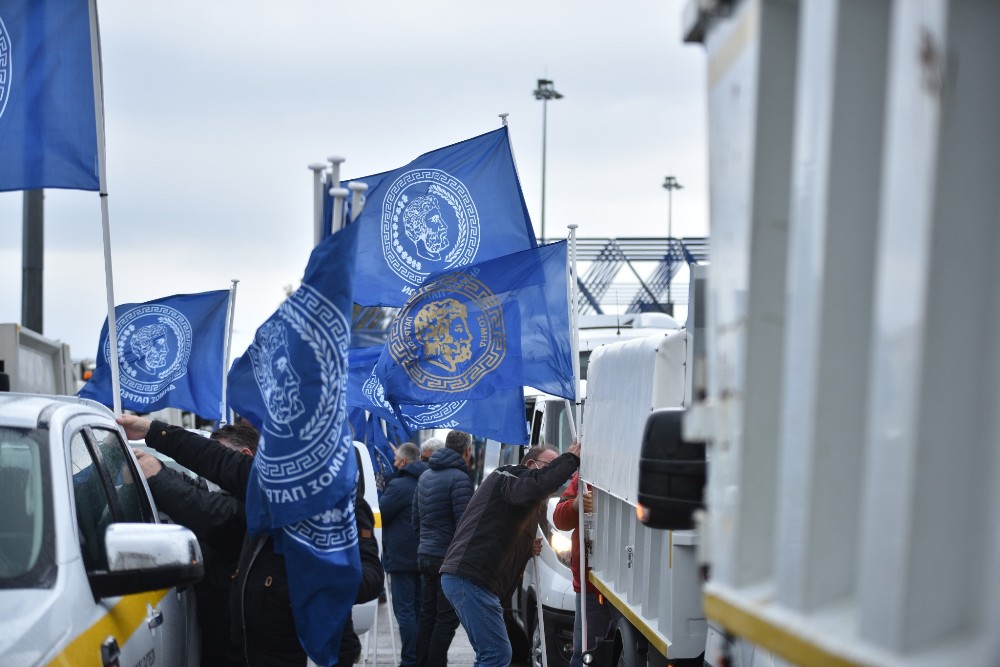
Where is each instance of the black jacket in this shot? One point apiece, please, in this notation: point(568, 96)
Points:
point(441, 497)
point(399, 539)
point(494, 540)
point(218, 519)
point(260, 605)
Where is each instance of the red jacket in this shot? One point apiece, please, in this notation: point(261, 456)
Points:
point(566, 517)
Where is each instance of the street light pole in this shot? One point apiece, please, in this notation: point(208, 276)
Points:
point(670, 184)
point(545, 92)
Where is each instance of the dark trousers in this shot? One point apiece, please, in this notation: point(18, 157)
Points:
point(405, 587)
point(438, 620)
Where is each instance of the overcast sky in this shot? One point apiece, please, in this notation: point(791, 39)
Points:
point(215, 109)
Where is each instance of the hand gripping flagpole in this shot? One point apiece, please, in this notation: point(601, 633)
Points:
point(95, 58)
point(223, 411)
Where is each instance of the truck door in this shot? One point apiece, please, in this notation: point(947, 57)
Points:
point(147, 628)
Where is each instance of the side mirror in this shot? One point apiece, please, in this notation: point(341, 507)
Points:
point(147, 557)
point(671, 473)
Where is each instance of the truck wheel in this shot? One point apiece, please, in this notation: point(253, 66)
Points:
point(627, 644)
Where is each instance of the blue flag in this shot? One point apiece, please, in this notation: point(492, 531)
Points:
point(48, 127)
point(382, 454)
point(446, 209)
point(170, 355)
point(499, 324)
point(499, 417)
point(291, 384)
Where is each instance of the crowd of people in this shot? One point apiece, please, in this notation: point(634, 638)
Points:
point(451, 553)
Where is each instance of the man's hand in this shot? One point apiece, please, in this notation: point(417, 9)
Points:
point(588, 502)
point(135, 427)
point(575, 447)
point(150, 465)
point(537, 549)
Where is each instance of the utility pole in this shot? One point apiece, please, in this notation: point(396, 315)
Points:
point(670, 184)
point(545, 92)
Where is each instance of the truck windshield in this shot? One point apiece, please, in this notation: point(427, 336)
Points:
point(27, 558)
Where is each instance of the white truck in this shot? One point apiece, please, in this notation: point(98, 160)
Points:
point(853, 503)
point(32, 363)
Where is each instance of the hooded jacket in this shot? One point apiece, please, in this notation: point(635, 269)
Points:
point(441, 497)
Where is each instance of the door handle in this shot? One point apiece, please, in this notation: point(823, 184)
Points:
point(155, 618)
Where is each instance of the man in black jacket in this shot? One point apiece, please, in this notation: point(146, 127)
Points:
point(218, 519)
point(441, 497)
point(260, 605)
point(493, 543)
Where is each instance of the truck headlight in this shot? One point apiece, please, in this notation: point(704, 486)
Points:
point(562, 546)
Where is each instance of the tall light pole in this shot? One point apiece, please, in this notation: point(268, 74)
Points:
point(670, 184)
point(545, 92)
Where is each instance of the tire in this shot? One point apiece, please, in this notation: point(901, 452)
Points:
point(627, 645)
point(519, 643)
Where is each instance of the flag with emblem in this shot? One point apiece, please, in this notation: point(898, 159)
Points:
point(170, 352)
point(291, 384)
point(48, 119)
point(448, 208)
point(466, 333)
point(499, 417)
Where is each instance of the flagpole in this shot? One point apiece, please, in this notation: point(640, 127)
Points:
point(339, 194)
point(223, 411)
point(317, 169)
point(95, 60)
point(581, 485)
point(358, 191)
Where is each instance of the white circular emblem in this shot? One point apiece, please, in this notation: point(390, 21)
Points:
point(6, 68)
point(429, 223)
point(154, 345)
point(306, 441)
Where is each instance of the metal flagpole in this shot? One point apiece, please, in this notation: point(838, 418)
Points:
point(223, 412)
point(317, 169)
point(581, 485)
point(538, 600)
point(358, 191)
point(95, 51)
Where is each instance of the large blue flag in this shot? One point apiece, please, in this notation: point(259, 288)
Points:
point(48, 128)
point(499, 324)
point(170, 355)
point(499, 417)
point(446, 209)
point(291, 384)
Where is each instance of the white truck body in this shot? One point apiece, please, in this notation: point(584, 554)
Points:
point(650, 576)
point(853, 509)
point(35, 364)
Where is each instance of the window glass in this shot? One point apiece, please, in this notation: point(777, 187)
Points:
point(24, 529)
point(93, 509)
point(126, 480)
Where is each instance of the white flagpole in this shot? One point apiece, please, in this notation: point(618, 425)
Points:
point(223, 412)
point(317, 169)
point(339, 194)
point(358, 191)
point(95, 59)
point(581, 485)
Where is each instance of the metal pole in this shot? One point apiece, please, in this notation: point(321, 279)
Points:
point(545, 124)
point(670, 184)
point(33, 260)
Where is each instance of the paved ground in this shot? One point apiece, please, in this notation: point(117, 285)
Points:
point(380, 653)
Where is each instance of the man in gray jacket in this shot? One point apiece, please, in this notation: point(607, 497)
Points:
point(438, 505)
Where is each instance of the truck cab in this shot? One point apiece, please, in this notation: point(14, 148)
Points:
point(88, 574)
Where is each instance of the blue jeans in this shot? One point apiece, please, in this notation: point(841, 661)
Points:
point(405, 588)
point(598, 623)
point(482, 617)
